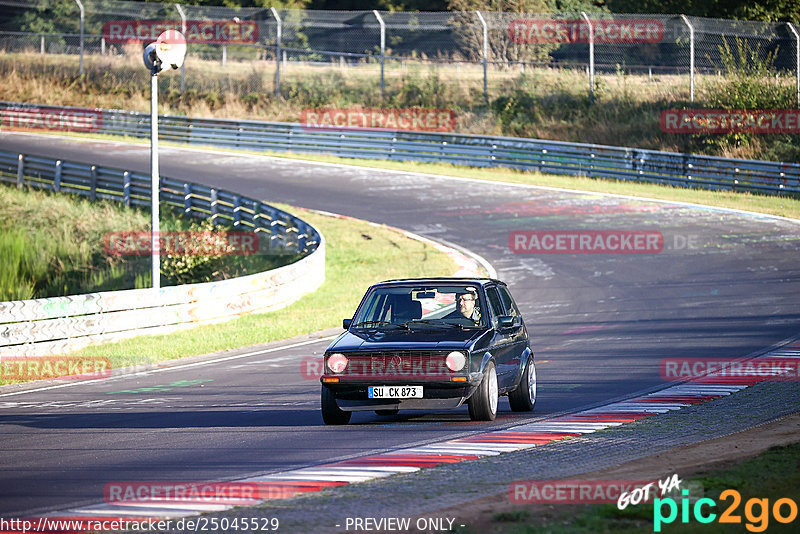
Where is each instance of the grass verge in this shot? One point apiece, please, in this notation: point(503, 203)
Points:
point(358, 255)
point(59, 248)
point(64, 247)
point(772, 475)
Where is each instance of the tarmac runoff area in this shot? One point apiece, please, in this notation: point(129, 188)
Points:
point(676, 442)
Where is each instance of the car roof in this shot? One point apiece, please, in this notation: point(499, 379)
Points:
point(441, 279)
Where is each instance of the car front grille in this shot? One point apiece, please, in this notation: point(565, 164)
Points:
point(397, 365)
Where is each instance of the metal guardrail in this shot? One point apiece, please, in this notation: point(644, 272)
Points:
point(283, 230)
point(60, 324)
point(555, 157)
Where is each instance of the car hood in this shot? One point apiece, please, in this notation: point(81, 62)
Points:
point(432, 339)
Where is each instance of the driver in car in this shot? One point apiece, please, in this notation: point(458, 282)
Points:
point(467, 308)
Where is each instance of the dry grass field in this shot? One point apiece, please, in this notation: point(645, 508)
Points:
point(533, 102)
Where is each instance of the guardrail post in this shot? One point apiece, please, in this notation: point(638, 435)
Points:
point(797, 58)
point(237, 215)
point(591, 55)
point(691, 56)
point(214, 208)
point(57, 178)
point(383, 45)
point(93, 184)
point(183, 31)
point(187, 199)
point(278, 35)
point(485, 54)
point(20, 170)
point(126, 188)
point(257, 217)
point(80, 6)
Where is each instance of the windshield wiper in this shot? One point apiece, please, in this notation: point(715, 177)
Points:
point(463, 326)
point(375, 324)
point(426, 322)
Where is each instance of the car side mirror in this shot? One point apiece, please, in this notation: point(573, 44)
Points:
point(346, 323)
point(505, 321)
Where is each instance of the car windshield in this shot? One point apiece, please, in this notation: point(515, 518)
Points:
point(428, 306)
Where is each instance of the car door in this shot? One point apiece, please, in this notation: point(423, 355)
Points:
point(518, 335)
point(503, 343)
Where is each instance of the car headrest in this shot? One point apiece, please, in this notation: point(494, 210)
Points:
point(405, 309)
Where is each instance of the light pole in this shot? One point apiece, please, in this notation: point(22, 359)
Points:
point(169, 49)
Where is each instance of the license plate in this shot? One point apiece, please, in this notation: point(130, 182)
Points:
point(395, 392)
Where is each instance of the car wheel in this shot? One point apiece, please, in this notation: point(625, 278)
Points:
point(331, 413)
point(523, 398)
point(386, 412)
point(483, 403)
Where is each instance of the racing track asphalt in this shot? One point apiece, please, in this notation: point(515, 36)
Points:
point(600, 325)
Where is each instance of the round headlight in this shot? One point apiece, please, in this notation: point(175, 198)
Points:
point(455, 361)
point(337, 362)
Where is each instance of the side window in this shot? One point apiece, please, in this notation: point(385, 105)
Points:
point(494, 302)
point(508, 302)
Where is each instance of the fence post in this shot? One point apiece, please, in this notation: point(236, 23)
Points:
point(57, 178)
point(797, 59)
point(591, 55)
point(80, 6)
point(41, 45)
point(691, 56)
point(383, 45)
point(485, 54)
point(278, 35)
point(183, 31)
point(20, 170)
point(224, 54)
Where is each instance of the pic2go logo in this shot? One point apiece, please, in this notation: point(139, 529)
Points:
point(757, 520)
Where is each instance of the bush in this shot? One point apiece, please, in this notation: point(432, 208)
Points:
point(750, 83)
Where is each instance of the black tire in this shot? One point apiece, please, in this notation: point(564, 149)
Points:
point(331, 413)
point(387, 412)
point(523, 398)
point(483, 403)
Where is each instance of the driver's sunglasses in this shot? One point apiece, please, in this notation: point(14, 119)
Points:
point(466, 299)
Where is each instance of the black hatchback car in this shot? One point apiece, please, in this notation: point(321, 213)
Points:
point(430, 343)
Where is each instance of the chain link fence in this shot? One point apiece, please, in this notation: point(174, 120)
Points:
point(259, 47)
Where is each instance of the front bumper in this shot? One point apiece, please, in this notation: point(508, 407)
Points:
point(353, 396)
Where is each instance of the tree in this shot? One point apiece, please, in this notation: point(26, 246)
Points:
point(765, 10)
